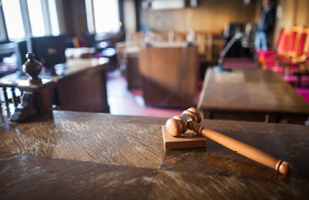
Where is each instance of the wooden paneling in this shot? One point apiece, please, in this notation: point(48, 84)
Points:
point(169, 75)
point(208, 16)
point(84, 91)
point(258, 10)
point(302, 14)
point(79, 16)
point(294, 13)
point(83, 87)
point(68, 20)
point(75, 20)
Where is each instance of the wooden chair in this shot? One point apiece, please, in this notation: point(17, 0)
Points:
point(204, 42)
point(179, 36)
point(132, 39)
point(262, 55)
point(294, 57)
point(174, 36)
point(283, 61)
point(301, 62)
point(135, 38)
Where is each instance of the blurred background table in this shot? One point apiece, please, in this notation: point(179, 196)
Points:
point(250, 95)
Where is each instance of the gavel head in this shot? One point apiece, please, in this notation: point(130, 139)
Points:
point(178, 124)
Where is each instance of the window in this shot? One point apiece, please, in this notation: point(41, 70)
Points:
point(54, 21)
point(13, 19)
point(36, 17)
point(89, 14)
point(3, 34)
point(105, 14)
point(22, 18)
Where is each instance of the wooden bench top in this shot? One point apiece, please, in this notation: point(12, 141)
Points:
point(70, 155)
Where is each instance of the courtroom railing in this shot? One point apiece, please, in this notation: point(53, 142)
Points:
point(35, 94)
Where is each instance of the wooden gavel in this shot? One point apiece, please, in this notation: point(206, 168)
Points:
point(192, 117)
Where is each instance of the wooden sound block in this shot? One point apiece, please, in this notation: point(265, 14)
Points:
point(187, 140)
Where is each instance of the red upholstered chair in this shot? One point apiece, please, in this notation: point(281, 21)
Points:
point(302, 68)
point(261, 54)
point(296, 54)
point(267, 59)
point(303, 39)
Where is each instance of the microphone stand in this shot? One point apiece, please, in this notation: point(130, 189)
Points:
point(220, 67)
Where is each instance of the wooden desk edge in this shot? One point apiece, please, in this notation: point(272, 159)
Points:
point(206, 80)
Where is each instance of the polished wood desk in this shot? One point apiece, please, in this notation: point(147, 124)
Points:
point(80, 87)
point(73, 155)
point(250, 95)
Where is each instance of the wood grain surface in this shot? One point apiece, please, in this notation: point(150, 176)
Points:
point(250, 94)
point(169, 74)
point(70, 155)
point(187, 140)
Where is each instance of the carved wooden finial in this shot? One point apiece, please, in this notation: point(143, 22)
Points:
point(33, 69)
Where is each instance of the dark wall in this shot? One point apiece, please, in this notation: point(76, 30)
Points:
point(75, 20)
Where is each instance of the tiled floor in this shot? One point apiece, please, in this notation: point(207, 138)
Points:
point(125, 102)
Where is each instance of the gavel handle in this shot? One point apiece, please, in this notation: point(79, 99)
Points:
point(242, 148)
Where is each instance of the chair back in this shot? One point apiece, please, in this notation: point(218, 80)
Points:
point(292, 38)
point(301, 41)
point(306, 44)
point(174, 36)
point(204, 42)
point(279, 37)
point(283, 43)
